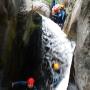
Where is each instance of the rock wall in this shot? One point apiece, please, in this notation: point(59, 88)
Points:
point(73, 11)
point(82, 52)
point(78, 29)
point(20, 35)
point(7, 23)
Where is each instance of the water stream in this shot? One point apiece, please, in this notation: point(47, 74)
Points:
point(56, 47)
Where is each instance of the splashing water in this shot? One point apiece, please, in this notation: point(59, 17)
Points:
point(59, 47)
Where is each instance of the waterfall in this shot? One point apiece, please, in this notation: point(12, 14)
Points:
point(38, 42)
point(56, 45)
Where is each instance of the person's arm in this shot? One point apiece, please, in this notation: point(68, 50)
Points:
point(35, 88)
point(55, 15)
point(19, 83)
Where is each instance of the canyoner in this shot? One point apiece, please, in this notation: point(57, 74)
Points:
point(58, 13)
point(29, 84)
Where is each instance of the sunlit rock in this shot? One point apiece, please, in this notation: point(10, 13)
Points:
point(71, 27)
point(75, 14)
point(41, 8)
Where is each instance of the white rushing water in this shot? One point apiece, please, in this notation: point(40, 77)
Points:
point(61, 48)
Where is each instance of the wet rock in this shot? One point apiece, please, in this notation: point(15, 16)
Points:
point(7, 21)
point(19, 33)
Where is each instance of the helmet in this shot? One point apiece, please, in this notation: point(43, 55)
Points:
point(56, 66)
point(30, 82)
point(56, 8)
point(62, 5)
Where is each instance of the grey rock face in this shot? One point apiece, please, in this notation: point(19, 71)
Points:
point(71, 24)
point(82, 53)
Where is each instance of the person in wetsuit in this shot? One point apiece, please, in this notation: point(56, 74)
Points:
point(24, 85)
